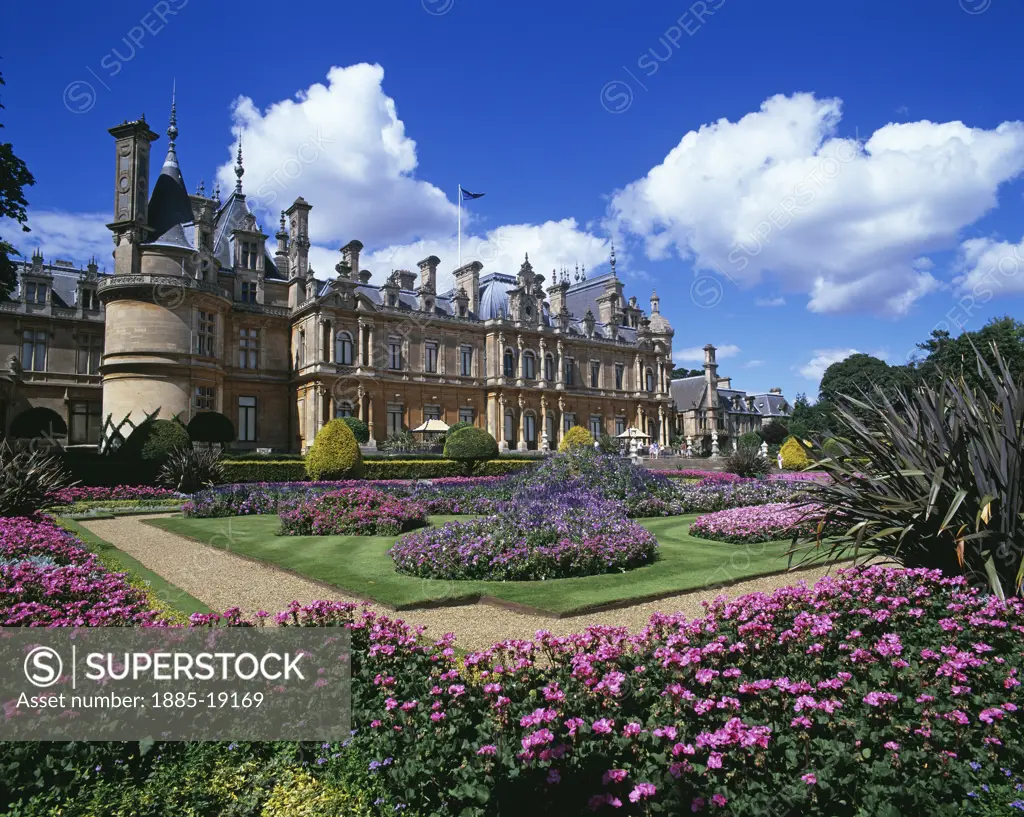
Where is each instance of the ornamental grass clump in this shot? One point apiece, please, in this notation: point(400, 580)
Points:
point(553, 534)
point(762, 523)
point(28, 481)
point(352, 512)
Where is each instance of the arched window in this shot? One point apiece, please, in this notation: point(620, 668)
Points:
point(343, 409)
point(549, 366)
point(529, 366)
point(552, 440)
point(510, 427)
point(650, 380)
point(343, 349)
point(530, 423)
point(510, 363)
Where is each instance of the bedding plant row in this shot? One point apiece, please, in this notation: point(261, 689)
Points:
point(880, 692)
point(765, 523)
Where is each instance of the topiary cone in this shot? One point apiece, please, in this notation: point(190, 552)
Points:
point(334, 454)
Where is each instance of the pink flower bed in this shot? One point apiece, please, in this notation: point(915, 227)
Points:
point(47, 579)
point(759, 523)
point(712, 477)
point(66, 496)
point(353, 512)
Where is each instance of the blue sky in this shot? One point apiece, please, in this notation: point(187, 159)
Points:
point(797, 180)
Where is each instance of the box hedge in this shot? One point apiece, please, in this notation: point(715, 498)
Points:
point(576, 437)
point(277, 471)
point(335, 453)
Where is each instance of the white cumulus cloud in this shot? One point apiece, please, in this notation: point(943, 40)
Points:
point(695, 354)
point(988, 268)
point(849, 224)
point(814, 368)
point(75, 237)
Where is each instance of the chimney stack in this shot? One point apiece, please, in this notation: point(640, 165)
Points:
point(350, 255)
point(428, 273)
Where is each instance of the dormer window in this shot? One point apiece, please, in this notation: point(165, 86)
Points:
point(89, 299)
point(248, 292)
point(249, 254)
point(35, 293)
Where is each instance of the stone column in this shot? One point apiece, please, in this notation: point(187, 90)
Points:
point(545, 443)
point(502, 442)
point(360, 343)
point(369, 420)
point(332, 329)
point(661, 427)
point(639, 371)
point(522, 423)
point(560, 363)
point(561, 417)
point(360, 397)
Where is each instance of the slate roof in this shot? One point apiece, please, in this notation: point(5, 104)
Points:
point(688, 392)
point(63, 287)
point(771, 405)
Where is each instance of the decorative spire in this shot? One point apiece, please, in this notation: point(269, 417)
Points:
point(613, 259)
point(172, 128)
point(284, 228)
point(583, 271)
point(239, 170)
point(216, 192)
point(201, 190)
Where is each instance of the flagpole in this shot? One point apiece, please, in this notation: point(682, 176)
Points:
point(460, 227)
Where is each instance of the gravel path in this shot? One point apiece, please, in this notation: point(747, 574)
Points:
point(221, 579)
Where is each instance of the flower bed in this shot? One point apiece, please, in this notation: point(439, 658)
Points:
point(50, 580)
point(548, 535)
point(693, 473)
point(67, 496)
point(359, 511)
point(760, 523)
point(707, 496)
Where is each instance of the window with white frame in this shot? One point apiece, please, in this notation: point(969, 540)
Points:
point(430, 356)
point(510, 363)
point(249, 250)
point(650, 380)
point(248, 292)
point(551, 427)
point(530, 430)
point(510, 426)
point(466, 360)
point(466, 415)
point(90, 352)
point(529, 366)
point(247, 419)
point(248, 348)
point(206, 333)
point(203, 398)
point(549, 367)
point(343, 352)
point(33, 350)
point(595, 425)
point(394, 353)
point(620, 425)
point(395, 413)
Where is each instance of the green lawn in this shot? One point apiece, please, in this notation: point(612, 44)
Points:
point(360, 565)
point(170, 594)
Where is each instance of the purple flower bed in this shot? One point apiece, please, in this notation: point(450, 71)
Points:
point(47, 579)
point(358, 511)
point(540, 535)
point(67, 496)
point(760, 523)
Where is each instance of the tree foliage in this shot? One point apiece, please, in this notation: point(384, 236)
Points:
point(860, 374)
point(957, 357)
point(774, 432)
point(14, 178)
point(680, 373)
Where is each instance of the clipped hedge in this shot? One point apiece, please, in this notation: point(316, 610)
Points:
point(264, 470)
point(335, 453)
point(287, 471)
point(360, 430)
point(211, 427)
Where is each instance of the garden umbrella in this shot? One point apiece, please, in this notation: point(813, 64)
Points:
point(632, 433)
point(431, 427)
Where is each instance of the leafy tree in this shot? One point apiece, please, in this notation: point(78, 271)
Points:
point(955, 357)
point(809, 419)
point(683, 372)
point(860, 374)
point(774, 432)
point(14, 176)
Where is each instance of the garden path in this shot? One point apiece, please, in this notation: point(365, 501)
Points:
point(222, 579)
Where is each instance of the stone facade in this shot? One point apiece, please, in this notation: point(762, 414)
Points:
point(199, 314)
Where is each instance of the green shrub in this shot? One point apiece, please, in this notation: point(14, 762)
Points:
point(263, 470)
point(211, 427)
point(749, 440)
point(360, 430)
point(471, 446)
point(26, 477)
point(457, 427)
point(608, 444)
point(398, 442)
point(412, 469)
point(188, 470)
point(794, 455)
point(774, 432)
point(335, 454)
point(747, 462)
point(153, 441)
point(576, 437)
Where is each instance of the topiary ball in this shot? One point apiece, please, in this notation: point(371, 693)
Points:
point(360, 429)
point(335, 454)
point(470, 445)
point(211, 427)
point(457, 427)
point(576, 437)
point(154, 441)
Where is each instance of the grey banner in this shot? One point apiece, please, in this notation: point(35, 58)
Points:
point(233, 683)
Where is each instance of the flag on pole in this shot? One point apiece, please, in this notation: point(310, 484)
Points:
point(467, 196)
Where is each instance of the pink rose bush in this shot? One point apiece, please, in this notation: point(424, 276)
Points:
point(761, 523)
point(47, 579)
point(358, 511)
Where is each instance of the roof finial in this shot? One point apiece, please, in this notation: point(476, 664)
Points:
point(283, 228)
point(613, 258)
point(172, 129)
point(216, 192)
point(201, 190)
point(239, 170)
point(583, 270)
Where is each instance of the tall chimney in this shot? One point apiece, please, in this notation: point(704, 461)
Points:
point(711, 375)
point(350, 255)
point(428, 273)
point(468, 277)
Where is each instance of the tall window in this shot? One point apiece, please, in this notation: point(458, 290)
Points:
point(570, 421)
point(595, 374)
point(466, 361)
point(89, 299)
point(343, 409)
point(90, 351)
point(247, 419)
point(650, 380)
point(466, 415)
point(203, 398)
point(529, 366)
point(570, 364)
point(431, 413)
point(248, 348)
point(394, 353)
point(248, 292)
point(33, 350)
point(595, 425)
point(510, 426)
point(206, 333)
point(510, 363)
point(300, 354)
point(394, 418)
point(619, 371)
point(549, 367)
point(343, 353)
point(249, 254)
point(551, 428)
point(620, 425)
point(530, 421)
point(85, 423)
point(430, 357)
point(35, 293)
